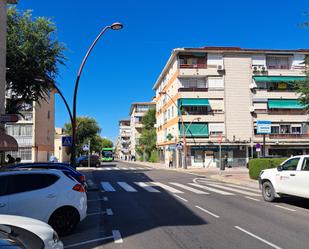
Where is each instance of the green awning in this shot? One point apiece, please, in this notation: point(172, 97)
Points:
point(284, 104)
point(278, 78)
point(194, 129)
point(194, 102)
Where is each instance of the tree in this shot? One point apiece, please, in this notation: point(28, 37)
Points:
point(106, 143)
point(87, 129)
point(303, 87)
point(33, 57)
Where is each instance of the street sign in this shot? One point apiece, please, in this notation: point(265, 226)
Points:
point(258, 147)
point(179, 146)
point(263, 127)
point(66, 141)
point(9, 118)
point(85, 147)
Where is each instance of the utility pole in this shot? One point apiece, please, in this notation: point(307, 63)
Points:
point(89, 151)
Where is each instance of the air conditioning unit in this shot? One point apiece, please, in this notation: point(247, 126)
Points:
point(251, 108)
point(220, 67)
point(254, 68)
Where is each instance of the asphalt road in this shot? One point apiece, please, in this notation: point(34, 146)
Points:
point(135, 207)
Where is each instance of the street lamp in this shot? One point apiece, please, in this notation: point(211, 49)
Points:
point(183, 129)
point(114, 26)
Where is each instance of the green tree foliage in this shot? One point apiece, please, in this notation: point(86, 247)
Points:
point(87, 129)
point(303, 87)
point(147, 141)
point(106, 143)
point(33, 57)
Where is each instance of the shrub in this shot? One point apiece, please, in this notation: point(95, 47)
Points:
point(153, 157)
point(256, 165)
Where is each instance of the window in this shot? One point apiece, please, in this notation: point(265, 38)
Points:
point(285, 129)
point(193, 83)
point(275, 130)
point(193, 61)
point(215, 82)
point(19, 130)
point(305, 166)
point(291, 164)
point(296, 130)
point(278, 62)
point(29, 182)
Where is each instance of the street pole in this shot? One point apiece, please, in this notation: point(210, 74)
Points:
point(114, 26)
point(89, 154)
point(264, 144)
point(220, 158)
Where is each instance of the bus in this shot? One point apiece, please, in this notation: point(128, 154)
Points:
point(107, 155)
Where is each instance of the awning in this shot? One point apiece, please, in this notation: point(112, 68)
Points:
point(194, 102)
point(7, 143)
point(284, 104)
point(194, 129)
point(278, 78)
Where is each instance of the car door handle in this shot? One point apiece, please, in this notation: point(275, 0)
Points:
point(51, 196)
point(292, 174)
point(2, 205)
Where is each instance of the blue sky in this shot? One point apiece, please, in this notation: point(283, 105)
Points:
point(125, 64)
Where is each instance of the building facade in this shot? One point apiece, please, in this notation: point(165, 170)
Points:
point(123, 143)
point(34, 131)
point(215, 96)
point(137, 112)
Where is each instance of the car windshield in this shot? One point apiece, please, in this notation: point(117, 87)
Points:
point(107, 153)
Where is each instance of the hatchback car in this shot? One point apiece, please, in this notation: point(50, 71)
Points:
point(46, 195)
point(83, 161)
point(23, 232)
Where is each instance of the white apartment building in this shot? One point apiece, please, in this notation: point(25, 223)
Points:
point(34, 131)
point(222, 92)
point(123, 143)
point(137, 112)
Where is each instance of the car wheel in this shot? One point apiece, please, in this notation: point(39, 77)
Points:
point(64, 220)
point(268, 191)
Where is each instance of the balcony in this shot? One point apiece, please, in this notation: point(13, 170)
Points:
point(288, 136)
point(193, 89)
point(202, 65)
point(286, 112)
point(24, 140)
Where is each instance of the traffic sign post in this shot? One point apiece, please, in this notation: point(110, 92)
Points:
point(66, 141)
point(263, 127)
point(220, 153)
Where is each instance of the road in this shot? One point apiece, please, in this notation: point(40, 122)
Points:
point(136, 207)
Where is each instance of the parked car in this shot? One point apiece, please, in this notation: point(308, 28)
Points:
point(22, 232)
point(64, 167)
point(46, 195)
point(290, 178)
point(83, 161)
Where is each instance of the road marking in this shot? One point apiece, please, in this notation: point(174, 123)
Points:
point(250, 198)
point(242, 187)
point(117, 236)
point(132, 168)
point(107, 187)
point(107, 168)
point(181, 198)
point(116, 168)
point(168, 188)
point(140, 168)
point(197, 191)
point(289, 209)
point(208, 212)
point(96, 200)
point(126, 187)
point(257, 237)
point(211, 189)
point(96, 213)
point(89, 241)
point(124, 168)
point(233, 190)
point(109, 211)
point(147, 187)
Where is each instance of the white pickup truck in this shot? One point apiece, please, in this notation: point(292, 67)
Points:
point(290, 178)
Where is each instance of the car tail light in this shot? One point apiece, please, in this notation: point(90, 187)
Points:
point(82, 178)
point(79, 188)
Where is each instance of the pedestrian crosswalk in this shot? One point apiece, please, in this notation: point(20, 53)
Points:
point(205, 188)
point(122, 168)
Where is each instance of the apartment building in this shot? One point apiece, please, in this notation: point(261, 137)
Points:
point(216, 95)
point(34, 131)
point(123, 143)
point(137, 112)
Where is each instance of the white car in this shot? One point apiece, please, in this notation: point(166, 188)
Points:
point(46, 195)
point(290, 178)
point(28, 232)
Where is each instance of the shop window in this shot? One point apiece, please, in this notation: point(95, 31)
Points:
point(198, 156)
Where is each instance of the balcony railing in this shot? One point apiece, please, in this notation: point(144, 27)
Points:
point(285, 136)
point(193, 66)
point(287, 112)
point(192, 89)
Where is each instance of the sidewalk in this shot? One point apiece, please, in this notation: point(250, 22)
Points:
point(236, 175)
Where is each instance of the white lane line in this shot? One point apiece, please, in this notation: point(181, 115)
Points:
point(250, 198)
point(96, 213)
point(117, 236)
point(168, 188)
point(147, 187)
point(286, 208)
point(208, 212)
point(123, 168)
point(88, 242)
point(183, 199)
point(257, 237)
point(109, 211)
point(196, 191)
point(233, 190)
point(126, 187)
point(211, 189)
point(107, 187)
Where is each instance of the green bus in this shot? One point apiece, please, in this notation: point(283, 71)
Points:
point(107, 155)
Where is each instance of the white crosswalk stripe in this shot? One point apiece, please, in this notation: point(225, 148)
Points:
point(116, 168)
point(234, 190)
point(107, 187)
point(145, 186)
point(196, 191)
point(211, 189)
point(244, 188)
point(166, 187)
point(126, 187)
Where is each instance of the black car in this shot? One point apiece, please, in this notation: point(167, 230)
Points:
point(64, 167)
point(82, 161)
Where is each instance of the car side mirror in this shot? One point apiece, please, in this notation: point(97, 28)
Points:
point(279, 168)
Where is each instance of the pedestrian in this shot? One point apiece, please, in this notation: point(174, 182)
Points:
point(170, 161)
point(11, 159)
point(17, 160)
